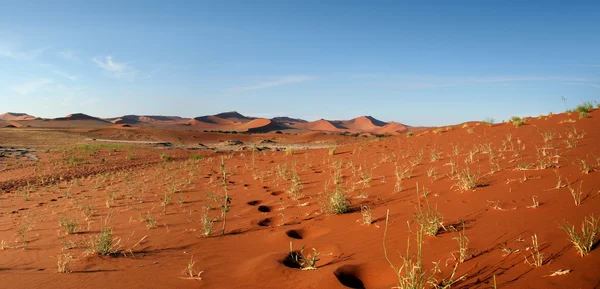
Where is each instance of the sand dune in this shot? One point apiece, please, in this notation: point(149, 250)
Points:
point(226, 121)
point(16, 116)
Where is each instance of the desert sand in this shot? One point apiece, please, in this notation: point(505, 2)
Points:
point(181, 205)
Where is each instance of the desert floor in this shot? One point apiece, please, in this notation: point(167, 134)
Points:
point(143, 215)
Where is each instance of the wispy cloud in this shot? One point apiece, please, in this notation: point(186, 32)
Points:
point(10, 52)
point(32, 86)
point(117, 69)
point(64, 74)
point(289, 79)
point(69, 55)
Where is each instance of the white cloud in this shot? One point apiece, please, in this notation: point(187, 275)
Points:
point(31, 86)
point(64, 74)
point(119, 70)
point(69, 55)
point(273, 83)
point(9, 52)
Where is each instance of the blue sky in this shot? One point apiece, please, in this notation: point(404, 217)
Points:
point(416, 62)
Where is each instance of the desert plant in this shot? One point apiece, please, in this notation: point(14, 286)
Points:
point(583, 114)
point(412, 274)
point(548, 136)
point(489, 121)
point(335, 202)
point(535, 203)
point(24, 227)
point(196, 157)
point(207, 223)
point(590, 233)
point(289, 151)
point(304, 261)
point(428, 218)
point(165, 157)
point(585, 167)
point(463, 245)
point(576, 193)
point(517, 121)
point(331, 150)
point(296, 187)
point(226, 201)
point(585, 107)
point(366, 176)
point(70, 225)
point(365, 212)
point(149, 219)
point(190, 272)
point(432, 173)
point(465, 180)
point(63, 263)
point(537, 258)
point(166, 200)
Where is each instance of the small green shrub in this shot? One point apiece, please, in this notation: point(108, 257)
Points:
point(70, 225)
point(196, 157)
point(517, 121)
point(585, 107)
point(165, 157)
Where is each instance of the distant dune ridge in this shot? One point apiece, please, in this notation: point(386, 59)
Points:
point(226, 121)
point(15, 116)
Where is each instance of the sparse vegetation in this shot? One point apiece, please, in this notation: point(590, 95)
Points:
point(517, 121)
point(70, 225)
point(590, 233)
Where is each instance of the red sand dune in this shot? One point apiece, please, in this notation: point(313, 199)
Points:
point(79, 116)
point(318, 125)
point(392, 128)
point(16, 116)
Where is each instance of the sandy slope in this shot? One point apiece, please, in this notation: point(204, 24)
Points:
point(496, 215)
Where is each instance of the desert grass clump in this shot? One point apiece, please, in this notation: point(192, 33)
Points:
point(295, 191)
point(430, 219)
point(304, 261)
point(537, 257)
point(365, 212)
point(149, 219)
point(331, 150)
point(585, 167)
point(63, 263)
point(190, 272)
point(585, 107)
point(576, 193)
point(465, 180)
point(412, 274)
point(489, 121)
point(590, 234)
point(196, 157)
point(463, 245)
point(69, 224)
point(165, 157)
point(207, 223)
point(517, 121)
point(289, 151)
point(335, 202)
